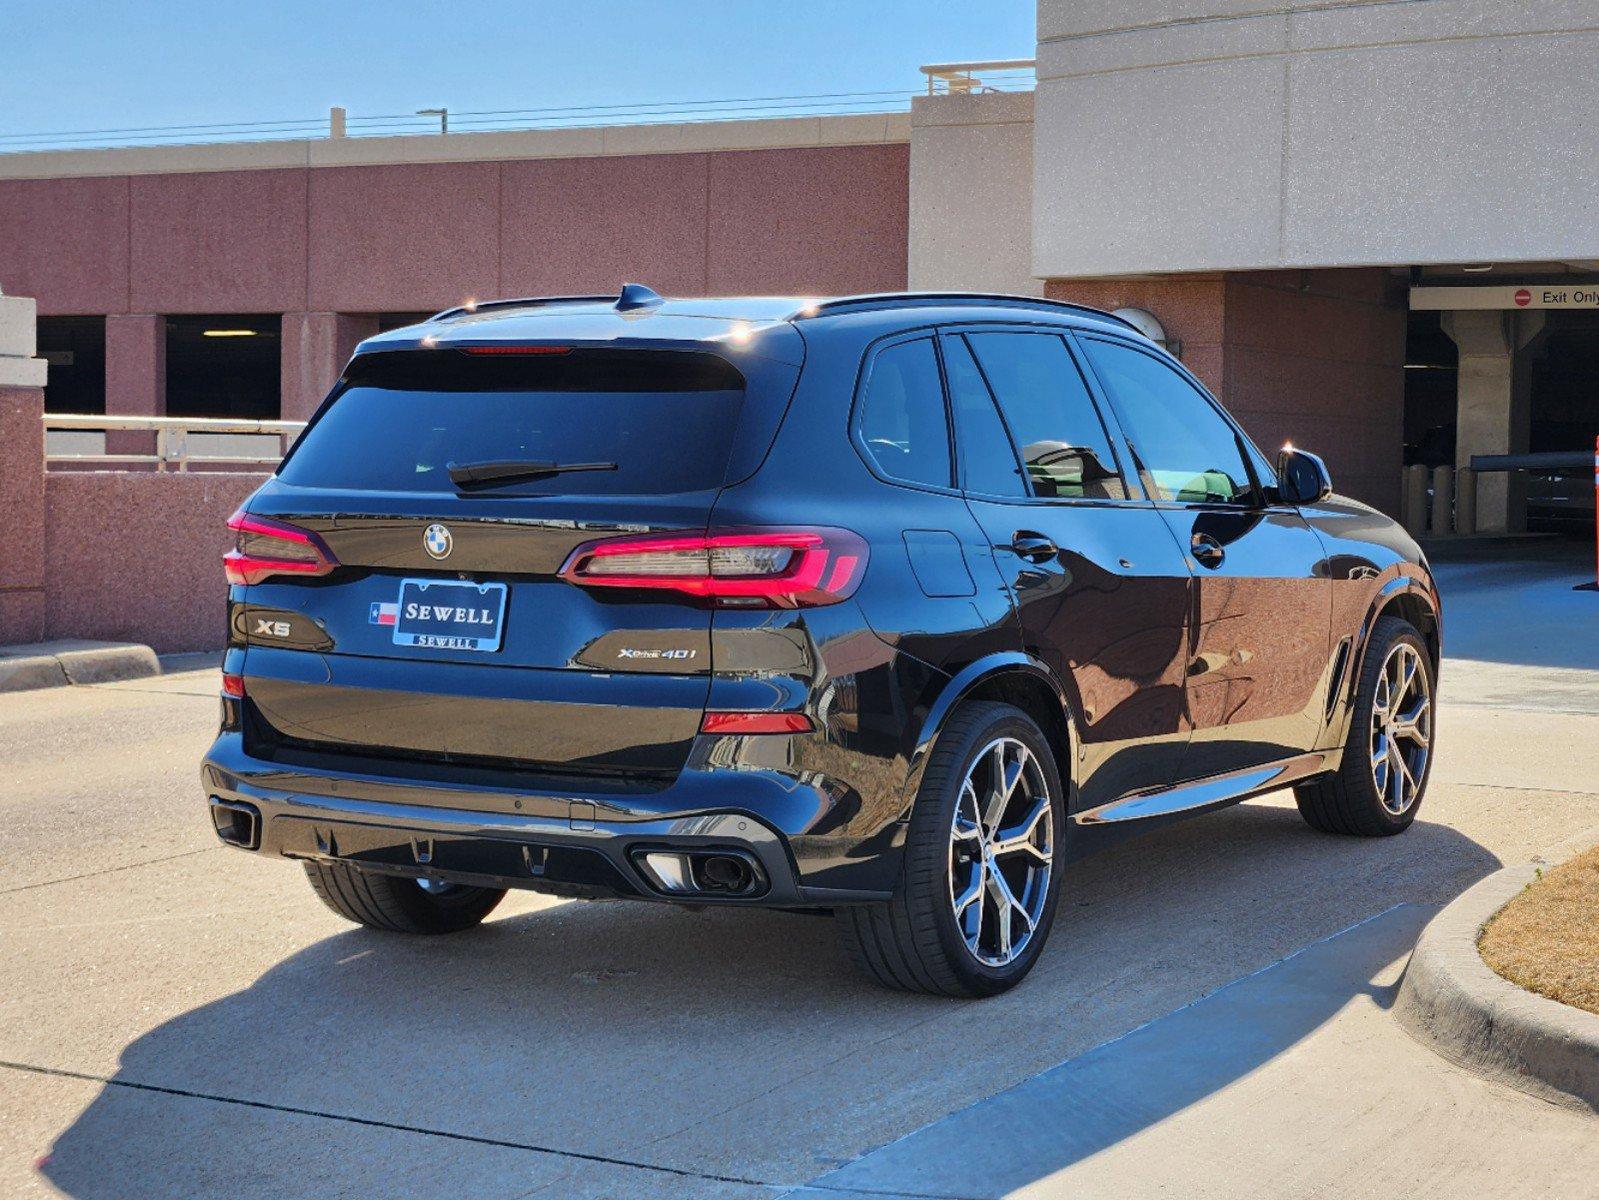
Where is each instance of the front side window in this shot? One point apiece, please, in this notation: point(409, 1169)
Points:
point(1185, 448)
point(901, 420)
point(1057, 430)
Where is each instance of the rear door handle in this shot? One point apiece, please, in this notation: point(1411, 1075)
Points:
point(1207, 551)
point(1034, 547)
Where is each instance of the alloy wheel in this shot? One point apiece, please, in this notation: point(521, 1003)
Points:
point(1001, 852)
point(1401, 728)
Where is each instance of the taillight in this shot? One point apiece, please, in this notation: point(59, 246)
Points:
point(764, 568)
point(233, 685)
point(263, 548)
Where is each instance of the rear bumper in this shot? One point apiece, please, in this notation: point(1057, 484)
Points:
point(578, 845)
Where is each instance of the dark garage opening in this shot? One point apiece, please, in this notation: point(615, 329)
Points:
point(224, 366)
point(1564, 417)
point(1431, 370)
point(74, 348)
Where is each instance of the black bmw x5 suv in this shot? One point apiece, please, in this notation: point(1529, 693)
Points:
point(889, 606)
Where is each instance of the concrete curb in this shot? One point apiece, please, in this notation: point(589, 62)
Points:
point(56, 664)
point(1454, 1003)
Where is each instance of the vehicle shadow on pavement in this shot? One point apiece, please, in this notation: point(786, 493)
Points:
point(719, 1045)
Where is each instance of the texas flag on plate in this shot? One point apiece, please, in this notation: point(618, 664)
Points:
point(385, 613)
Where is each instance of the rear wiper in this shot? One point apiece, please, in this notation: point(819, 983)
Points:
point(516, 470)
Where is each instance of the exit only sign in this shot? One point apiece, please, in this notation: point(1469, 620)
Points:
point(1510, 295)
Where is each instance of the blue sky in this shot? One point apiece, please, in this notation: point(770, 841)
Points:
point(68, 66)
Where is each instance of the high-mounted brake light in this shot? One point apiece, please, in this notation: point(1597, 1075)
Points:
point(765, 568)
point(263, 548)
point(523, 350)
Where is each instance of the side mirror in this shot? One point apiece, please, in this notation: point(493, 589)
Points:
point(1302, 477)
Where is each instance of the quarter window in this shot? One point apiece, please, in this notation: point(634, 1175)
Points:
point(902, 422)
point(1185, 448)
point(1052, 418)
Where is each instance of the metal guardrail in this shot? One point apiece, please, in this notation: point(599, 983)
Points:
point(1571, 462)
point(994, 75)
point(172, 445)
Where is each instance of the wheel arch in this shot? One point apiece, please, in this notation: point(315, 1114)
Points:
point(1414, 600)
point(1011, 678)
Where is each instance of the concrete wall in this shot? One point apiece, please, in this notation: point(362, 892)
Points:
point(1312, 357)
point(118, 555)
point(331, 231)
point(22, 501)
point(22, 562)
point(588, 142)
point(411, 236)
point(1183, 135)
point(971, 193)
point(137, 555)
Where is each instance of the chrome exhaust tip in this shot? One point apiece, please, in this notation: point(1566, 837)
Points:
point(236, 823)
point(730, 873)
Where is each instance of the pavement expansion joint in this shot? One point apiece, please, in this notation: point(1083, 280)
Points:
point(394, 1126)
point(148, 862)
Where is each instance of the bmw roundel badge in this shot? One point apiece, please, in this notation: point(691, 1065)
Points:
point(436, 540)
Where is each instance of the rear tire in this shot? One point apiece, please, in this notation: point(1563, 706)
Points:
point(1350, 800)
point(953, 850)
point(397, 904)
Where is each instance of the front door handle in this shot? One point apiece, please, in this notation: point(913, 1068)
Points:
point(1034, 547)
point(1207, 551)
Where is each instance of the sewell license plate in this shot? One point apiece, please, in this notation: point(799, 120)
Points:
point(446, 615)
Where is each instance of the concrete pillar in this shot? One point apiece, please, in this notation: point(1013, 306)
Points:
point(1443, 500)
point(22, 378)
point(1465, 501)
point(135, 376)
point(1492, 414)
point(316, 345)
point(1414, 507)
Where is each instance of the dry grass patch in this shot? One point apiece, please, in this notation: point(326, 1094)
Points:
point(1547, 938)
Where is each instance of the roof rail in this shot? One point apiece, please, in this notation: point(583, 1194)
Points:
point(523, 302)
point(908, 299)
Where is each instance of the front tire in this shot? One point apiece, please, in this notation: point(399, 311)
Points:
point(397, 904)
point(1388, 754)
point(980, 883)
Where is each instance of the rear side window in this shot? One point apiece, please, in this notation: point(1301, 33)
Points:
point(901, 419)
point(988, 461)
point(1052, 418)
point(666, 420)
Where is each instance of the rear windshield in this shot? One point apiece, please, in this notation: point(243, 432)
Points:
point(665, 419)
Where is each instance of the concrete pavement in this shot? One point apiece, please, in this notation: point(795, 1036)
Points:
point(1291, 1082)
point(178, 1019)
